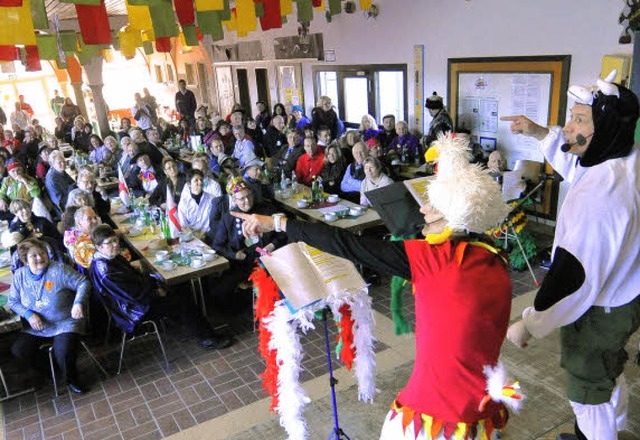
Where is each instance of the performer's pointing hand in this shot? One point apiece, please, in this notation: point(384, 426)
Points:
point(254, 224)
point(522, 125)
point(519, 334)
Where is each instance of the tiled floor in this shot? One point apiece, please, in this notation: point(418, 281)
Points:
point(146, 401)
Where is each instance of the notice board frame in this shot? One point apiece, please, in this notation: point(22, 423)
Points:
point(558, 66)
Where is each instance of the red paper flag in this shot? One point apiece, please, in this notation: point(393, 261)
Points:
point(185, 11)
point(9, 53)
point(33, 59)
point(272, 18)
point(10, 3)
point(163, 44)
point(94, 24)
point(316, 3)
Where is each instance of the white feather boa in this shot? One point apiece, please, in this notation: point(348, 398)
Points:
point(286, 341)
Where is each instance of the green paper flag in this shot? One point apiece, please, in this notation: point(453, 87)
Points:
point(259, 9)
point(335, 7)
point(225, 14)
point(163, 19)
point(305, 10)
point(190, 34)
point(82, 2)
point(143, 2)
point(148, 47)
point(69, 41)
point(87, 52)
point(39, 14)
point(47, 47)
point(210, 23)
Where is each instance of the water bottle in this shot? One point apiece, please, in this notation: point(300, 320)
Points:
point(320, 190)
point(294, 181)
point(283, 181)
point(314, 190)
point(403, 156)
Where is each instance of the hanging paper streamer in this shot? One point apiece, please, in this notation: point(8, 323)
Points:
point(210, 23)
point(139, 17)
point(163, 19)
point(87, 52)
point(10, 3)
point(31, 58)
point(365, 5)
point(190, 35)
point(259, 8)
point(272, 18)
point(143, 2)
point(130, 39)
point(17, 26)
point(305, 10)
point(107, 54)
point(147, 46)
point(318, 4)
point(286, 7)
point(94, 24)
point(210, 5)
point(47, 47)
point(231, 23)
point(225, 14)
point(185, 12)
point(246, 17)
point(163, 44)
point(39, 14)
point(335, 7)
point(9, 53)
point(82, 2)
point(68, 41)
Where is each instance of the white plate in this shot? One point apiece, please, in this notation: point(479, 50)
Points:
point(134, 232)
point(193, 266)
point(173, 266)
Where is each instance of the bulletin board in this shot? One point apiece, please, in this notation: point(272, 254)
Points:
point(481, 90)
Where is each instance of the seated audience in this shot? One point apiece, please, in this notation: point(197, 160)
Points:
point(405, 142)
point(32, 226)
point(52, 298)
point(388, 132)
point(79, 137)
point(69, 111)
point(98, 198)
point(78, 240)
point(211, 186)
point(368, 127)
point(43, 164)
point(165, 130)
point(262, 191)
point(310, 164)
point(226, 136)
point(244, 148)
point(57, 181)
point(275, 137)
point(299, 120)
point(147, 177)
point(125, 126)
point(354, 175)
point(333, 169)
point(374, 178)
point(195, 205)
point(347, 142)
point(62, 132)
point(17, 185)
point(133, 297)
point(287, 158)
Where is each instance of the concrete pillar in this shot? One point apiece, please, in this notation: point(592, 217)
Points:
point(94, 75)
point(77, 91)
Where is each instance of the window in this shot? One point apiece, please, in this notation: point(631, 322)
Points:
point(158, 70)
point(377, 90)
point(191, 74)
point(170, 76)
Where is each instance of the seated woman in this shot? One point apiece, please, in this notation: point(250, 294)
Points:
point(369, 127)
point(17, 185)
point(96, 144)
point(216, 153)
point(173, 179)
point(52, 297)
point(86, 181)
point(195, 205)
point(57, 181)
point(165, 130)
point(203, 126)
point(374, 179)
point(42, 163)
point(104, 154)
point(405, 144)
point(78, 240)
point(211, 186)
point(346, 143)
point(147, 178)
point(184, 130)
point(62, 132)
point(11, 240)
point(230, 243)
point(226, 136)
point(333, 169)
point(353, 177)
point(133, 297)
point(76, 199)
point(30, 225)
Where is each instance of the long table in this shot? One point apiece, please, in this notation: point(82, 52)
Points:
point(369, 219)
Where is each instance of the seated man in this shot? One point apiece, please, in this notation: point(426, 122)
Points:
point(133, 297)
point(310, 164)
point(241, 253)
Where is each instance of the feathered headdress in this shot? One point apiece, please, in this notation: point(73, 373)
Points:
point(468, 197)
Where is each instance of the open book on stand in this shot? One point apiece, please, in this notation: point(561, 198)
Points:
point(306, 275)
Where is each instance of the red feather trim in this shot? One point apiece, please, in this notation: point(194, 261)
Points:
point(347, 353)
point(268, 294)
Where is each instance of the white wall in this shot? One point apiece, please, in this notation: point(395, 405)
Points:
point(585, 29)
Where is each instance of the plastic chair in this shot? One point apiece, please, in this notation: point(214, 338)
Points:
point(134, 337)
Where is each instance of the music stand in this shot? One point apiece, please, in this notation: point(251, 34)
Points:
point(337, 433)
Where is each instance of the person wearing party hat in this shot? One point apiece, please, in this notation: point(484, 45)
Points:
point(462, 300)
point(592, 290)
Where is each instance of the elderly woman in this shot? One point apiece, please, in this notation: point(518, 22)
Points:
point(195, 204)
point(166, 130)
point(405, 145)
point(200, 162)
point(57, 181)
point(69, 111)
point(17, 185)
point(62, 132)
point(147, 178)
point(368, 127)
point(132, 296)
point(78, 240)
point(324, 115)
point(30, 225)
point(374, 178)
point(86, 181)
point(333, 169)
point(76, 199)
point(354, 175)
point(79, 137)
point(52, 297)
point(42, 163)
point(173, 181)
point(100, 149)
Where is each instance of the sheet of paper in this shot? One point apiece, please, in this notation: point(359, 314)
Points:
point(336, 273)
point(418, 188)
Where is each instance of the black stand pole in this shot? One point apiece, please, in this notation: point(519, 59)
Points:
point(337, 433)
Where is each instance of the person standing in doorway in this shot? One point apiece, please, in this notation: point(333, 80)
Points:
point(186, 103)
point(56, 103)
point(441, 122)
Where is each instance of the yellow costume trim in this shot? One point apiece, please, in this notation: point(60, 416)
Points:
point(439, 238)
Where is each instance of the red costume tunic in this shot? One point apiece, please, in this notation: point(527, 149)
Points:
point(463, 304)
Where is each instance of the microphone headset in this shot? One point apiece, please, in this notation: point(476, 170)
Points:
point(580, 140)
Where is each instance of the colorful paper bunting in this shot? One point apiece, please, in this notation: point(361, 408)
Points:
point(272, 18)
point(190, 35)
point(130, 39)
point(10, 3)
point(211, 5)
point(39, 14)
point(47, 47)
point(139, 17)
point(185, 11)
point(87, 52)
point(17, 26)
point(82, 2)
point(259, 8)
point(163, 19)
point(246, 17)
point(147, 46)
point(69, 41)
point(335, 7)
point(286, 7)
point(9, 53)
point(31, 58)
point(163, 44)
point(365, 5)
point(210, 23)
point(305, 10)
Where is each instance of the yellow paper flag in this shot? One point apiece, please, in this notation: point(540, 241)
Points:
point(139, 17)
point(209, 5)
point(246, 19)
point(286, 7)
point(17, 25)
point(365, 5)
point(231, 24)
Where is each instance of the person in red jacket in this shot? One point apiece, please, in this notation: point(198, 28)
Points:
point(462, 293)
point(310, 164)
